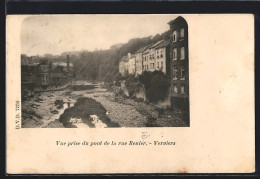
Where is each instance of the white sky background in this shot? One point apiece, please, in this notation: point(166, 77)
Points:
point(55, 34)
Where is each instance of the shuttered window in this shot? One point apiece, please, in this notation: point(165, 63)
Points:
point(182, 33)
point(182, 53)
point(175, 54)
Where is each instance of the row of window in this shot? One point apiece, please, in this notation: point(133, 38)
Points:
point(180, 90)
point(178, 35)
point(175, 72)
point(159, 55)
point(175, 53)
point(146, 67)
point(158, 65)
point(146, 58)
point(152, 57)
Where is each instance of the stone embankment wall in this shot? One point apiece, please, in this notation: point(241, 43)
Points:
point(140, 94)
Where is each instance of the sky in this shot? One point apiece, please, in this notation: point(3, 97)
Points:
point(54, 34)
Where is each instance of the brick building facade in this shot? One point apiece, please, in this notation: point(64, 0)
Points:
point(179, 57)
point(171, 56)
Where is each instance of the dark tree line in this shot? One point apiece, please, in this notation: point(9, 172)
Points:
point(103, 64)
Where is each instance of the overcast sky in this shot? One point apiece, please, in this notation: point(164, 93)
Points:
point(55, 34)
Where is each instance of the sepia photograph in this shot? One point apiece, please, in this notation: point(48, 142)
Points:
point(130, 93)
point(99, 71)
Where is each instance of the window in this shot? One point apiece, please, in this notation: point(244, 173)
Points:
point(150, 56)
point(161, 64)
point(174, 36)
point(174, 72)
point(147, 67)
point(182, 73)
point(175, 54)
point(157, 64)
point(161, 53)
point(175, 89)
point(182, 33)
point(182, 89)
point(182, 53)
point(153, 56)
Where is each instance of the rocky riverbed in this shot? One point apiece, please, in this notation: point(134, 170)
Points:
point(91, 105)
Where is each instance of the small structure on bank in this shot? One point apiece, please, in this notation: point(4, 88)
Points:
point(44, 76)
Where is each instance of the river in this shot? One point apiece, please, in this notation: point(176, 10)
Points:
point(56, 110)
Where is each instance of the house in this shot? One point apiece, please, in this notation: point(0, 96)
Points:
point(131, 64)
point(45, 75)
point(139, 60)
point(146, 59)
point(149, 59)
point(123, 65)
point(179, 64)
point(162, 57)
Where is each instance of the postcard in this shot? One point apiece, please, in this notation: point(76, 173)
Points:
point(130, 93)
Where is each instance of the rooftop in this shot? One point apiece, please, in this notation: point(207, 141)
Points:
point(163, 44)
point(155, 45)
point(177, 20)
point(141, 50)
point(125, 58)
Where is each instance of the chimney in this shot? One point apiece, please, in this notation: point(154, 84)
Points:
point(68, 63)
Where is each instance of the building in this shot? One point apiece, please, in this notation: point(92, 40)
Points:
point(127, 65)
point(162, 57)
point(139, 60)
point(149, 57)
point(131, 64)
point(123, 65)
point(146, 59)
point(179, 64)
point(44, 75)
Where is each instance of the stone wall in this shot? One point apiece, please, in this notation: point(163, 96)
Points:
point(140, 94)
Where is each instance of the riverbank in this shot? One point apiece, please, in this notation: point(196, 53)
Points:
point(88, 102)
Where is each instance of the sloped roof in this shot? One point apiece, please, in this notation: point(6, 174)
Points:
point(141, 50)
point(178, 19)
point(155, 45)
point(132, 56)
point(163, 44)
point(125, 58)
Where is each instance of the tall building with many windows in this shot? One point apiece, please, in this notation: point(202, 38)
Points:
point(162, 55)
point(179, 57)
point(139, 60)
point(149, 57)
